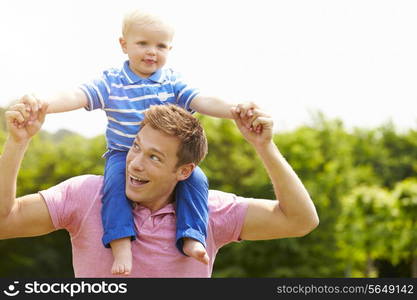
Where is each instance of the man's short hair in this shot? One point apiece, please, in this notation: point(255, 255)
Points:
point(175, 121)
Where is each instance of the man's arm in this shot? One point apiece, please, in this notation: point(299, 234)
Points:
point(28, 215)
point(293, 214)
point(60, 102)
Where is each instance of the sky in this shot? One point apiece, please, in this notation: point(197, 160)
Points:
point(352, 60)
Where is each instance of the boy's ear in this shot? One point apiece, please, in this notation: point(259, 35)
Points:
point(184, 171)
point(122, 42)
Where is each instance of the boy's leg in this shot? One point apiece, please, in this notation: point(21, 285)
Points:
point(192, 215)
point(117, 214)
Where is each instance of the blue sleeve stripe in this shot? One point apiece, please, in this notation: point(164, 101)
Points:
point(106, 85)
point(90, 105)
point(183, 91)
point(100, 97)
point(188, 102)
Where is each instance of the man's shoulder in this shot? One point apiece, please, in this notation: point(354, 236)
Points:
point(219, 201)
point(88, 182)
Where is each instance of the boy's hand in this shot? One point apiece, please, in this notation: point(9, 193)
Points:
point(22, 123)
point(247, 116)
point(246, 109)
point(31, 103)
point(259, 131)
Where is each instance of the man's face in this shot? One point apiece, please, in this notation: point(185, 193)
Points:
point(151, 172)
point(147, 48)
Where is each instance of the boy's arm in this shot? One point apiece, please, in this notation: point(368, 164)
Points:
point(60, 102)
point(28, 215)
point(293, 213)
point(212, 106)
point(216, 107)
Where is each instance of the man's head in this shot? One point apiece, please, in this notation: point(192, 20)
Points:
point(166, 150)
point(146, 39)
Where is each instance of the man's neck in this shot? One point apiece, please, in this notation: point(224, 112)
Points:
point(157, 204)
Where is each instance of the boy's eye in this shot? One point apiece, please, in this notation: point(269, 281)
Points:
point(142, 43)
point(162, 46)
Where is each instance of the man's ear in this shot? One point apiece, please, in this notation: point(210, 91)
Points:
point(184, 171)
point(122, 43)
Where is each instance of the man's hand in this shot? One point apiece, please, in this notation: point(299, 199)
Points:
point(32, 104)
point(25, 120)
point(256, 129)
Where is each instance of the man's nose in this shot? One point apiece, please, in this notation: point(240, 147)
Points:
point(137, 162)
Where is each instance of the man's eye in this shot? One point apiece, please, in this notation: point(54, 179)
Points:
point(155, 158)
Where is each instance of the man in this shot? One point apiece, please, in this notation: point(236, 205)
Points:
point(158, 159)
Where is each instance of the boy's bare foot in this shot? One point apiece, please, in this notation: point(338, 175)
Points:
point(122, 253)
point(195, 250)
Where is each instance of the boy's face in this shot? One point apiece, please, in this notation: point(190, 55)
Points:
point(147, 48)
point(151, 171)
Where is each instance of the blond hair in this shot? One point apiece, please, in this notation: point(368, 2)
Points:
point(144, 18)
point(177, 122)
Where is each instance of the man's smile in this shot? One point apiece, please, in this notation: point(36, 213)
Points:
point(137, 181)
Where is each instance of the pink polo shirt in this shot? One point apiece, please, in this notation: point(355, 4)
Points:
point(75, 204)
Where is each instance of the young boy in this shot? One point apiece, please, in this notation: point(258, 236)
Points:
point(124, 94)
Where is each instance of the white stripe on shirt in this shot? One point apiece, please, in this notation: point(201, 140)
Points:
point(125, 110)
point(133, 86)
point(122, 146)
point(132, 99)
point(192, 96)
point(106, 85)
point(100, 97)
point(90, 99)
point(118, 132)
point(123, 123)
point(127, 76)
point(183, 91)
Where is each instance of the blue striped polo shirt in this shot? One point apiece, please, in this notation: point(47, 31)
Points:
point(124, 96)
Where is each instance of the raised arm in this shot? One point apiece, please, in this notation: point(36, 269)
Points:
point(59, 102)
point(212, 106)
point(28, 215)
point(219, 108)
point(293, 214)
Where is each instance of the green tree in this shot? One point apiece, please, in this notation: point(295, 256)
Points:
point(405, 195)
point(365, 218)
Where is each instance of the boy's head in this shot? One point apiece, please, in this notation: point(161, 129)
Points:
point(146, 39)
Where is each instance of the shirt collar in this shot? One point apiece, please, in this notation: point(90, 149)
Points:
point(158, 76)
point(167, 209)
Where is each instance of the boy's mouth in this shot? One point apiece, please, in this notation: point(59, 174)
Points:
point(149, 61)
